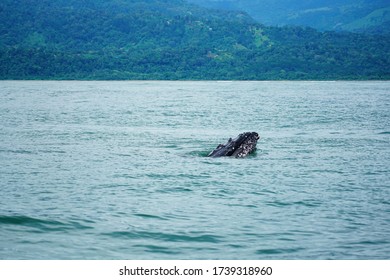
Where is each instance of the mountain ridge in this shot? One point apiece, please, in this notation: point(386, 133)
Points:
point(336, 15)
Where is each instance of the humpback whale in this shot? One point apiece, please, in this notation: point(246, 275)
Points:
point(241, 146)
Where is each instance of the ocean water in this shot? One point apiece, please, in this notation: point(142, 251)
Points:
point(118, 170)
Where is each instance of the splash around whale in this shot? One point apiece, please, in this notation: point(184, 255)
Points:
point(239, 147)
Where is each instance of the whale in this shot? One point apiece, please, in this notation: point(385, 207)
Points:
point(239, 147)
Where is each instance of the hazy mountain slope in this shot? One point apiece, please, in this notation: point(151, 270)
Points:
point(377, 21)
point(349, 15)
point(161, 39)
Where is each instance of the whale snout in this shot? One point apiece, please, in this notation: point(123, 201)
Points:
point(241, 146)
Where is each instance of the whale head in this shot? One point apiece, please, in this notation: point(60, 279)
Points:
point(241, 146)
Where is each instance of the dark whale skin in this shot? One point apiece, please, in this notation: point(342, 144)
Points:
point(239, 147)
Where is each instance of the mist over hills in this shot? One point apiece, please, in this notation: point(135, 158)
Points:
point(161, 39)
point(369, 16)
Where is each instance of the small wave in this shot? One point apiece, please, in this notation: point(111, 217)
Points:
point(306, 203)
point(370, 242)
point(157, 249)
point(52, 151)
point(199, 153)
point(123, 155)
point(25, 152)
point(174, 190)
point(25, 220)
point(279, 203)
point(40, 224)
point(147, 216)
point(165, 236)
point(241, 205)
point(278, 251)
point(384, 133)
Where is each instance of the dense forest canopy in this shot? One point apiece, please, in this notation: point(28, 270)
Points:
point(161, 39)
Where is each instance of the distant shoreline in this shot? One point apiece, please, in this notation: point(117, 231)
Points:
point(191, 80)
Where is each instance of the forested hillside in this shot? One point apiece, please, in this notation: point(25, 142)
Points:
point(367, 16)
point(161, 39)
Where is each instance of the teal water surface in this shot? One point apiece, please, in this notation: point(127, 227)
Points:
point(118, 170)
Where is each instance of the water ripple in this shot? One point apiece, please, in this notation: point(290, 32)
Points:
point(42, 224)
point(278, 251)
point(165, 236)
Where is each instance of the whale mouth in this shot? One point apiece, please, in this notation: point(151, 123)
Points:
point(241, 146)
